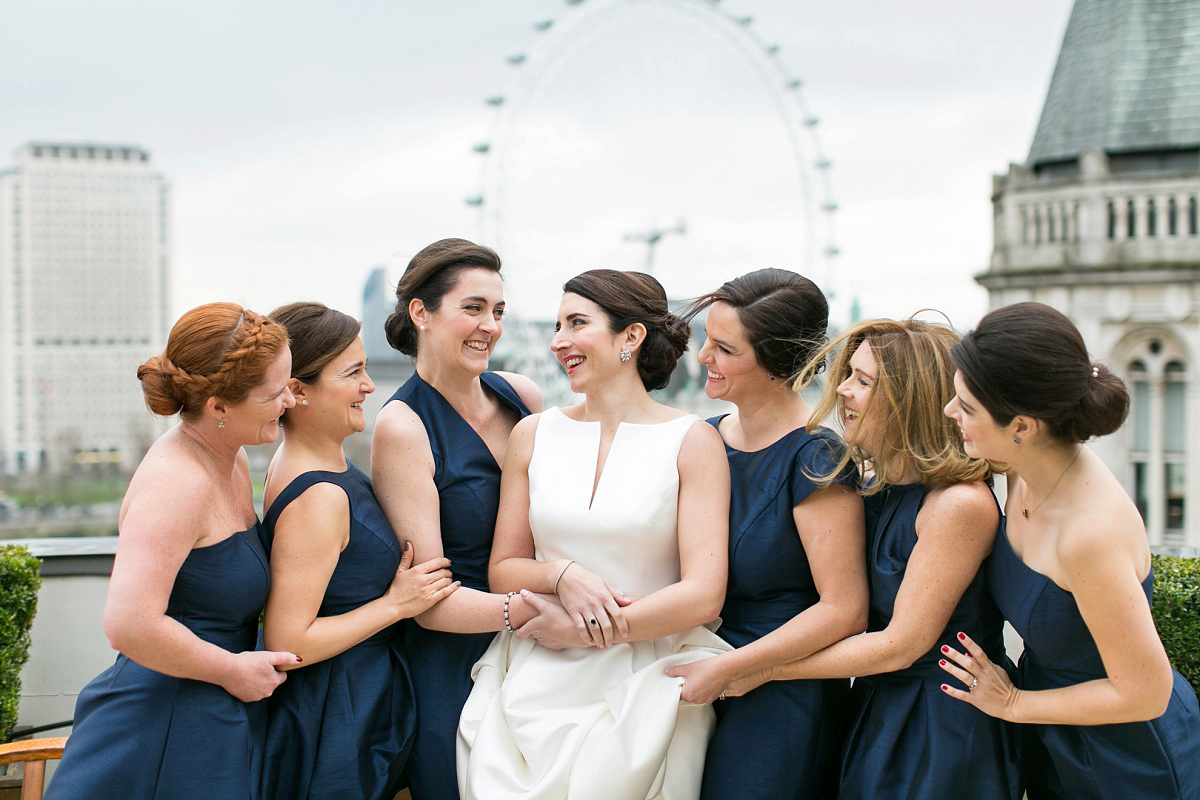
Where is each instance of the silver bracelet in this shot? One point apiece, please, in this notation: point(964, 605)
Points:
point(507, 625)
point(559, 578)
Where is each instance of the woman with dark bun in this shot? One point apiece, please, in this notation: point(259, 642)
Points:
point(797, 568)
point(435, 465)
point(613, 498)
point(931, 520)
point(342, 726)
point(176, 715)
point(1108, 718)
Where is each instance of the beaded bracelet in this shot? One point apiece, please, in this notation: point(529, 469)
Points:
point(560, 574)
point(507, 625)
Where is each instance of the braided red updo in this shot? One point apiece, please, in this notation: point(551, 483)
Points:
point(215, 350)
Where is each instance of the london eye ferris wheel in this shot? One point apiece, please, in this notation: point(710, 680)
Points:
point(665, 135)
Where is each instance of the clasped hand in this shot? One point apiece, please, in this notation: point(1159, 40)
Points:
point(593, 606)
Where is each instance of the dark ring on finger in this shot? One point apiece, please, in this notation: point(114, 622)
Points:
point(593, 622)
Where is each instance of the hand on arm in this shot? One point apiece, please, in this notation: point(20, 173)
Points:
point(1102, 576)
point(402, 472)
point(309, 537)
point(152, 547)
point(956, 528)
point(830, 524)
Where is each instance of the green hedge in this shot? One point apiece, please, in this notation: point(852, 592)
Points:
point(19, 584)
point(1177, 612)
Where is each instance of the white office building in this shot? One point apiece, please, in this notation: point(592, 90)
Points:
point(84, 277)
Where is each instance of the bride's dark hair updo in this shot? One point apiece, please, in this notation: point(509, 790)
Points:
point(1030, 359)
point(629, 297)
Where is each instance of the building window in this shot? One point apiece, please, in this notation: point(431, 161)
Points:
point(1037, 226)
point(1050, 226)
point(1112, 220)
point(1151, 218)
point(1172, 217)
point(1130, 219)
point(1193, 220)
point(1158, 444)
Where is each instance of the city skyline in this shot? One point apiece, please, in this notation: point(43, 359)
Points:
point(307, 148)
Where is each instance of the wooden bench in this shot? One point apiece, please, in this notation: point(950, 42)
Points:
point(33, 753)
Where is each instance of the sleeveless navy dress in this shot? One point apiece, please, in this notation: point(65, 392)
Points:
point(908, 738)
point(782, 740)
point(1152, 760)
point(468, 483)
point(343, 727)
point(140, 734)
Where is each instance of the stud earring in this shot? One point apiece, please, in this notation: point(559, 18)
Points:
point(1017, 439)
point(303, 402)
point(773, 378)
point(422, 327)
point(626, 354)
point(221, 424)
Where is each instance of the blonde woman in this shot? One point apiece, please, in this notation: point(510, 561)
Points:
point(931, 521)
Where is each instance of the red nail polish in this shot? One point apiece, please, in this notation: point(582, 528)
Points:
point(945, 687)
point(941, 662)
point(962, 637)
point(298, 659)
point(945, 649)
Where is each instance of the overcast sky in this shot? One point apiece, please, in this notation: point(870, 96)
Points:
point(307, 142)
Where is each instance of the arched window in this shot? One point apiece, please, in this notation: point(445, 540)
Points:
point(1172, 217)
point(1157, 438)
point(1130, 219)
point(1151, 218)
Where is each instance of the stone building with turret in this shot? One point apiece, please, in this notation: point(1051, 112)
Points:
point(1101, 222)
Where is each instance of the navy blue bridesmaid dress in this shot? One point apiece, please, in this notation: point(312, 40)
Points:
point(908, 738)
point(140, 734)
point(343, 727)
point(1152, 760)
point(468, 483)
point(784, 739)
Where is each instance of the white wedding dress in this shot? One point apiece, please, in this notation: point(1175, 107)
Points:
point(586, 723)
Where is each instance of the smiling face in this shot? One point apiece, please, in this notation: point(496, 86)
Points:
point(859, 426)
point(981, 436)
point(583, 344)
point(335, 400)
point(255, 418)
point(733, 370)
point(468, 323)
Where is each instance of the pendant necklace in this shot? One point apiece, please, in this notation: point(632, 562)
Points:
point(1025, 512)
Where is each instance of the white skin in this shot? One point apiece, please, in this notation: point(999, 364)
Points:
point(829, 521)
point(956, 527)
point(193, 490)
point(452, 352)
point(312, 531)
point(1085, 535)
point(613, 393)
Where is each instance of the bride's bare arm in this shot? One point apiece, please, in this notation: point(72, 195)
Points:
point(703, 543)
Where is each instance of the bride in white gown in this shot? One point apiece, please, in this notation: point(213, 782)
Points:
point(615, 498)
